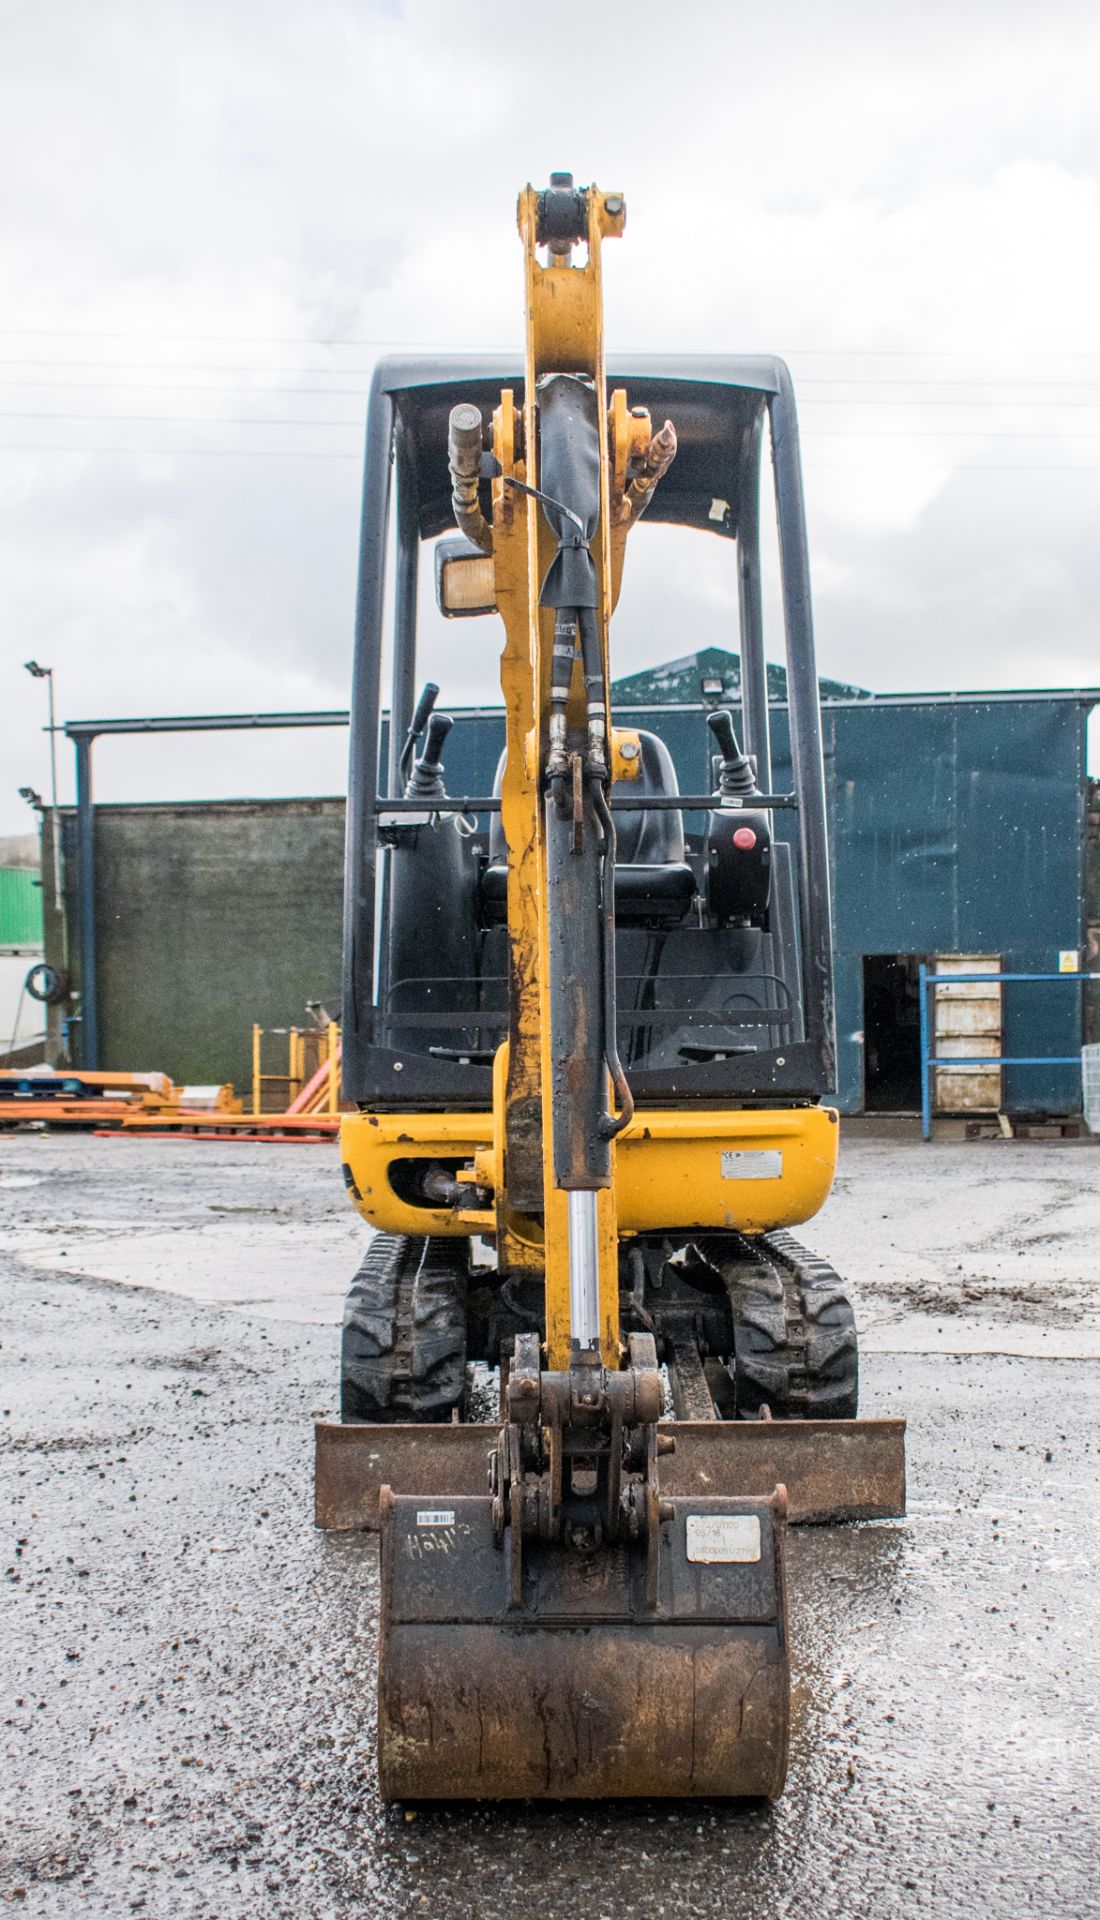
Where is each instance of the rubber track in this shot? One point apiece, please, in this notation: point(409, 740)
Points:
point(795, 1333)
point(403, 1348)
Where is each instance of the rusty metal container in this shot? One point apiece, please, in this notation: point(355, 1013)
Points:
point(583, 1690)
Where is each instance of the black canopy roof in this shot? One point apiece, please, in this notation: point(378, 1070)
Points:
point(713, 402)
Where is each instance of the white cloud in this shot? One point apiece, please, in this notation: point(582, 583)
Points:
point(919, 183)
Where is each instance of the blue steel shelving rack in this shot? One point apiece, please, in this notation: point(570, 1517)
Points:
point(929, 1060)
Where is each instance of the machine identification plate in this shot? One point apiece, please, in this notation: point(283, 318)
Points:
point(436, 1517)
point(723, 1537)
point(750, 1164)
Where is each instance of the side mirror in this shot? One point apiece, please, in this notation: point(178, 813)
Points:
point(465, 582)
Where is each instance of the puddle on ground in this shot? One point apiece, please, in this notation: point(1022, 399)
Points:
point(923, 1333)
point(256, 1267)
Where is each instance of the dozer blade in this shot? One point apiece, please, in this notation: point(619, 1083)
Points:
point(580, 1686)
point(832, 1469)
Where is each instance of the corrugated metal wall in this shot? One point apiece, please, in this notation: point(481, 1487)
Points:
point(957, 828)
point(956, 825)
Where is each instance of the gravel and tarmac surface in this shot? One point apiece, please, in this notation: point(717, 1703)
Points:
point(187, 1667)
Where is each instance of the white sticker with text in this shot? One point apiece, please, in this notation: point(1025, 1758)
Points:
point(751, 1164)
point(723, 1537)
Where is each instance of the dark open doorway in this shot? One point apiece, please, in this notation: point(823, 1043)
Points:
point(891, 1032)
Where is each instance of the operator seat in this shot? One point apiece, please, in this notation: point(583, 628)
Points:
point(654, 885)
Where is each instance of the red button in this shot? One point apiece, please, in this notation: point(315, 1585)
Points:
point(744, 837)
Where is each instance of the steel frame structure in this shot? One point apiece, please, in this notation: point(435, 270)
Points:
point(83, 734)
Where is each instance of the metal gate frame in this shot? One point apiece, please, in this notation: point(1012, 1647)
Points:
point(930, 1060)
point(84, 734)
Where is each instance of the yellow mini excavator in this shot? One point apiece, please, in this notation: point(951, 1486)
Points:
point(587, 1373)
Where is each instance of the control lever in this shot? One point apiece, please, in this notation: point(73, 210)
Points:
point(736, 774)
point(738, 838)
point(429, 694)
point(426, 779)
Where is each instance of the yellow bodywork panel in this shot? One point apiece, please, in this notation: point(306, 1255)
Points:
point(750, 1170)
point(746, 1170)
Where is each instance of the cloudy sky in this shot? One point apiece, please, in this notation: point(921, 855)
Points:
point(214, 215)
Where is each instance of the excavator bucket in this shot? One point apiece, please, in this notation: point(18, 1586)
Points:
point(598, 1675)
point(596, 1679)
point(833, 1470)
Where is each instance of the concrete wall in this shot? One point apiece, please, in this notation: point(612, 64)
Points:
point(22, 1020)
point(19, 850)
point(212, 915)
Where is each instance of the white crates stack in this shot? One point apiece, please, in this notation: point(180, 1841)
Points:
point(1090, 1086)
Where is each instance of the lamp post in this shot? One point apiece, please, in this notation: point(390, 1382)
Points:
point(46, 673)
point(38, 672)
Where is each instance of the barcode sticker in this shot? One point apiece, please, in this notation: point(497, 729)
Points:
point(436, 1517)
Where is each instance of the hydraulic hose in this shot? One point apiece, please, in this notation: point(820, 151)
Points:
point(659, 456)
point(464, 450)
point(561, 673)
point(613, 1123)
point(592, 663)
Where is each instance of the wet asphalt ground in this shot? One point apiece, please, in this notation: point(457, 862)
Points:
point(186, 1667)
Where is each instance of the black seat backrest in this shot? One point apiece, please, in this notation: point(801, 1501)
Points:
point(644, 839)
point(650, 839)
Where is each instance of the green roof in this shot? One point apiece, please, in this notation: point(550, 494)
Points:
point(20, 908)
point(676, 682)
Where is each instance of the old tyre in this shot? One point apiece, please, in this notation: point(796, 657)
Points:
point(46, 984)
point(795, 1344)
point(403, 1349)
